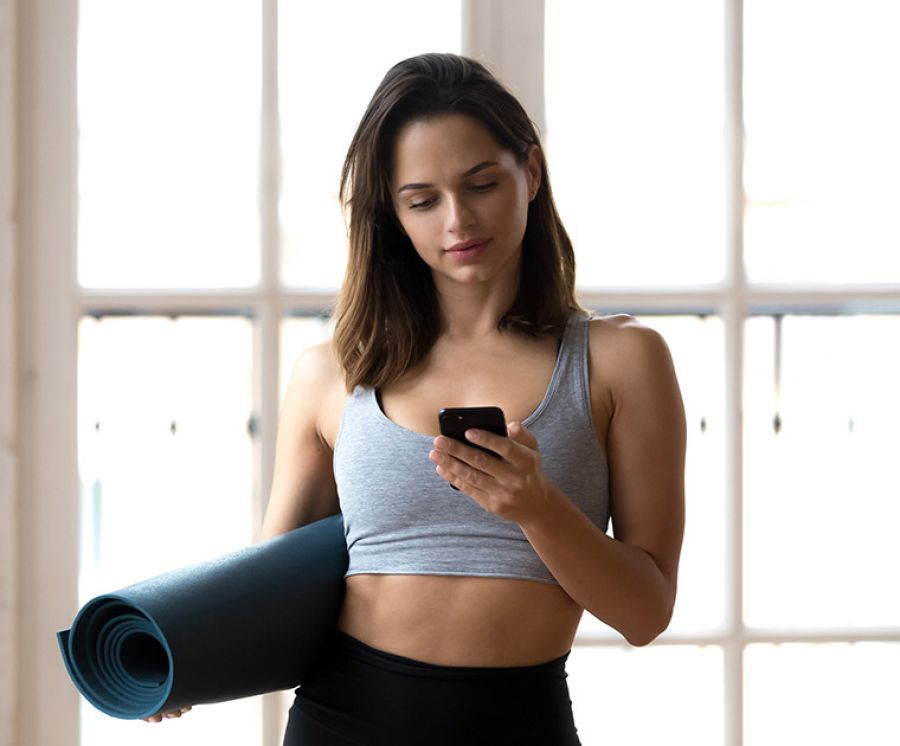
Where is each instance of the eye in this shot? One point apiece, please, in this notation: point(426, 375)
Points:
point(484, 187)
point(422, 205)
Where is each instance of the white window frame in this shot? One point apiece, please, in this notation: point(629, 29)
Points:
point(40, 305)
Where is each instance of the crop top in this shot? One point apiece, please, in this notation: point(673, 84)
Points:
point(401, 517)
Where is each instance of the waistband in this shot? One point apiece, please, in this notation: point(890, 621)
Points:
point(350, 646)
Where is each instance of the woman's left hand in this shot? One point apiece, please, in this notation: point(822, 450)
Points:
point(513, 486)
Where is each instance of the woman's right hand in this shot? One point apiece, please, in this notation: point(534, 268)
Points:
point(158, 717)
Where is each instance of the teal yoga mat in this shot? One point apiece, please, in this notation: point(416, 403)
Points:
point(246, 623)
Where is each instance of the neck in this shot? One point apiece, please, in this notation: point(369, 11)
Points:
point(471, 312)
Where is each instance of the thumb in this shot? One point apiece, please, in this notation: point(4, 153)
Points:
point(520, 434)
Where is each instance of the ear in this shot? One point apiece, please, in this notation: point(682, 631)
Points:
point(534, 166)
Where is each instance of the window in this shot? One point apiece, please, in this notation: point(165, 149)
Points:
point(785, 544)
point(168, 144)
point(186, 342)
point(725, 170)
point(820, 408)
point(635, 138)
point(821, 147)
point(319, 112)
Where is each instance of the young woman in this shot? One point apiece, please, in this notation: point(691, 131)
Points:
point(462, 604)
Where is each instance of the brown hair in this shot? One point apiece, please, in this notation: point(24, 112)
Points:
point(387, 315)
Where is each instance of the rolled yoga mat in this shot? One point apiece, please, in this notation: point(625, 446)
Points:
point(246, 623)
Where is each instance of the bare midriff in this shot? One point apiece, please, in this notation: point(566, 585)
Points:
point(460, 620)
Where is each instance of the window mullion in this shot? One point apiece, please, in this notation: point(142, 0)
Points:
point(734, 312)
point(269, 309)
point(270, 301)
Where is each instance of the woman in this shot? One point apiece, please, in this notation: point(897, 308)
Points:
point(461, 605)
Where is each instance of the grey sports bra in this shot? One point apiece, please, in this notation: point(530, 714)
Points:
point(400, 517)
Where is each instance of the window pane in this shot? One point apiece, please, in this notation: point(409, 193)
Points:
point(822, 496)
point(612, 688)
point(331, 59)
point(634, 98)
point(168, 117)
point(165, 459)
point(822, 151)
point(826, 694)
point(697, 347)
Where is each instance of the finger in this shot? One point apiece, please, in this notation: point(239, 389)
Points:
point(499, 444)
point(465, 463)
point(450, 447)
point(459, 462)
point(160, 716)
point(521, 434)
point(453, 469)
point(468, 481)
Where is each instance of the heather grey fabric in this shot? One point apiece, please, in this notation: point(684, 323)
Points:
point(400, 517)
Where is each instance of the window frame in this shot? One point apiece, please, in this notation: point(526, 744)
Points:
point(38, 245)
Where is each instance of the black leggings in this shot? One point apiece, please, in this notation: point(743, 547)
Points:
point(357, 694)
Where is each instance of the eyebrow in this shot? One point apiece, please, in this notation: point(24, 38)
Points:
point(474, 170)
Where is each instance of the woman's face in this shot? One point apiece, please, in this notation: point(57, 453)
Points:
point(461, 198)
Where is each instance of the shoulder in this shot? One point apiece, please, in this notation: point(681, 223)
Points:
point(621, 337)
point(303, 487)
point(627, 356)
point(318, 365)
point(318, 382)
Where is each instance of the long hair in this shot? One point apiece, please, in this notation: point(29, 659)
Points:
point(387, 316)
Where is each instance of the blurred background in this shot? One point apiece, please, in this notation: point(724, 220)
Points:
point(171, 240)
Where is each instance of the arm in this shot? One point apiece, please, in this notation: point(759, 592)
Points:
point(303, 488)
point(628, 581)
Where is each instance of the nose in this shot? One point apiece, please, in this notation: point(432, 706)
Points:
point(459, 214)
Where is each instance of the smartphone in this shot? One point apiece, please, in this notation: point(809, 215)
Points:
point(454, 421)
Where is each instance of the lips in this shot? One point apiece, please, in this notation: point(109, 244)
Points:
point(467, 245)
point(467, 251)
